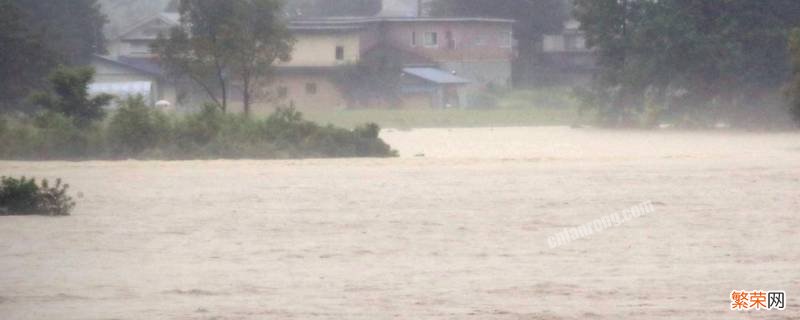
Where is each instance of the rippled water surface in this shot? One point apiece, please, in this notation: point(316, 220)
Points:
point(456, 228)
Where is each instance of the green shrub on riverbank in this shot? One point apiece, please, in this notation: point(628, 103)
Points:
point(26, 197)
point(139, 132)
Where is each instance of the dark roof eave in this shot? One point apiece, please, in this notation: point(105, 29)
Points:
point(128, 66)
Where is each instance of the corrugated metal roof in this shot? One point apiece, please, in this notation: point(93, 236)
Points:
point(150, 68)
point(435, 75)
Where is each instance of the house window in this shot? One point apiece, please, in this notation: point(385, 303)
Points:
point(311, 88)
point(506, 39)
point(339, 53)
point(431, 39)
point(413, 38)
point(283, 92)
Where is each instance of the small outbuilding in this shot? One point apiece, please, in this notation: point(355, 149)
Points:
point(432, 87)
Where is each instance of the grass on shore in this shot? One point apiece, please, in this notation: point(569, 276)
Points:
point(430, 118)
point(540, 107)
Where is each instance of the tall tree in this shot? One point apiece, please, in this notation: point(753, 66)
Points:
point(222, 42)
point(38, 35)
point(261, 37)
point(609, 22)
point(534, 18)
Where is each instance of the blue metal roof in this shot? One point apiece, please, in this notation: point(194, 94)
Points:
point(435, 75)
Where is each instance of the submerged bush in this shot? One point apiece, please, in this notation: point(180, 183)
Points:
point(26, 197)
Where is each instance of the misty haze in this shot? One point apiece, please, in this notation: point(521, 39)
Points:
point(399, 159)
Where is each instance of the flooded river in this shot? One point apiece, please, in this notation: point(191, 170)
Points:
point(456, 228)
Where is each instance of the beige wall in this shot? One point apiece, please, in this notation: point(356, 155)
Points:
point(327, 96)
point(319, 49)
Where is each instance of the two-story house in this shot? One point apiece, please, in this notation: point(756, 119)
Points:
point(443, 61)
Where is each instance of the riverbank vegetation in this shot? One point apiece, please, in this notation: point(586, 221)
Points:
point(72, 126)
point(136, 131)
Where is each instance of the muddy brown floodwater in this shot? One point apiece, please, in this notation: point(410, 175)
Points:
point(460, 233)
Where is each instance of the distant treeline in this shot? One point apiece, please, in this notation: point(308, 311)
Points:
point(688, 59)
point(136, 131)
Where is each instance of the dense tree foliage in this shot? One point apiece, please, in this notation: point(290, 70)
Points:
point(686, 54)
point(72, 29)
point(69, 95)
point(141, 132)
point(23, 58)
point(534, 18)
point(222, 42)
point(38, 35)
